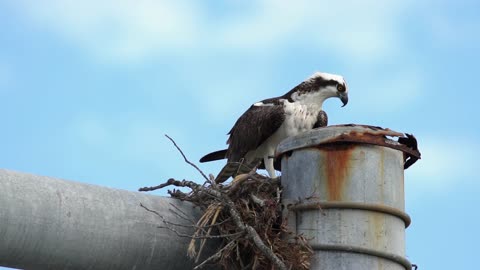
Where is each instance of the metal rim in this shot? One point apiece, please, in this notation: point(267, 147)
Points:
point(324, 135)
point(359, 134)
point(353, 205)
point(355, 249)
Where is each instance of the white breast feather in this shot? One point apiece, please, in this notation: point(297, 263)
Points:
point(298, 118)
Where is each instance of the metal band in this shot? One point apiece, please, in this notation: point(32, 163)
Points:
point(361, 250)
point(361, 134)
point(352, 205)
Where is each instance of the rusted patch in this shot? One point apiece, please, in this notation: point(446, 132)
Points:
point(407, 143)
point(355, 134)
point(336, 168)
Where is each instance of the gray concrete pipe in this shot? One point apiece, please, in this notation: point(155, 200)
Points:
point(47, 223)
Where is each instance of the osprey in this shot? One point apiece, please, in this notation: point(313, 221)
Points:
point(265, 124)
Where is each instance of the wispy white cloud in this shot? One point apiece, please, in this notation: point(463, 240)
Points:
point(325, 25)
point(126, 30)
point(355, 32)
point(445, 161)
point(132, 30)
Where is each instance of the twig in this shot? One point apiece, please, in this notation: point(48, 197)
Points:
point(214, 219)
point(251, 233)
point(257, 200)
point(237, 182)
point(186, 160)
point(215, 256)
point(166, 222)
point(188, 226)
point(203, 227)
point(185, 216)
point(150, 210)
point(166, 184)
point(205, 195)
point(203, 237)
point(279, 194)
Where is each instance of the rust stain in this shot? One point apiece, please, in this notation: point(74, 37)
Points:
point(337, 166)
point(407, 143)
point(377, 223)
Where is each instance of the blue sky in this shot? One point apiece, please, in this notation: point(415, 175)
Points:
point(89, 88)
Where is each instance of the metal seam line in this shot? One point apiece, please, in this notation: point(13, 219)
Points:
point(354, 249)
point(353, 205)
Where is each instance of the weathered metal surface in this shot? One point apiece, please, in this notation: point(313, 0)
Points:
point(316, 205)
point(47, 223)
point(347, 195)
point(365, 134)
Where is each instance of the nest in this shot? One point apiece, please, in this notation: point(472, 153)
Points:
point(246, 214)
point(257, 200)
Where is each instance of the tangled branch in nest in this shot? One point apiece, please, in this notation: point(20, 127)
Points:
point(246, 214)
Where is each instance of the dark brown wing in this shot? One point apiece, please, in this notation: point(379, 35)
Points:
point(253, 128)
point(322, 120)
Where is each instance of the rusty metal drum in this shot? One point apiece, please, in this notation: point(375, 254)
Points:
point(344, 188)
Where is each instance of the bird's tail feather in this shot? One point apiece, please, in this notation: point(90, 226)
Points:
point(221, 154)
point(235, 168)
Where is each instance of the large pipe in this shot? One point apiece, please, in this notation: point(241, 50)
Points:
point(346, 194)
point(47, 223)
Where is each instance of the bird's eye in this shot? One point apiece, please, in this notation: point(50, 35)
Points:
point(340, 88)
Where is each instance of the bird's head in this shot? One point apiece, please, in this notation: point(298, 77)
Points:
point(319, 87)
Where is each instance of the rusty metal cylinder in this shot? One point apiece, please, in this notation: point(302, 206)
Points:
point(345, 193)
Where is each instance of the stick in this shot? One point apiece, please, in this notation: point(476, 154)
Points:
point(215, 256)
point(186, 160)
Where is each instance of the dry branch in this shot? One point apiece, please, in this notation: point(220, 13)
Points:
point(246, 214)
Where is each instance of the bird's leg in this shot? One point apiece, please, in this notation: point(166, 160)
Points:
point(268, 161)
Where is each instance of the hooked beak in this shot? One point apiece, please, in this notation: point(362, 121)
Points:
point(344, 98)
